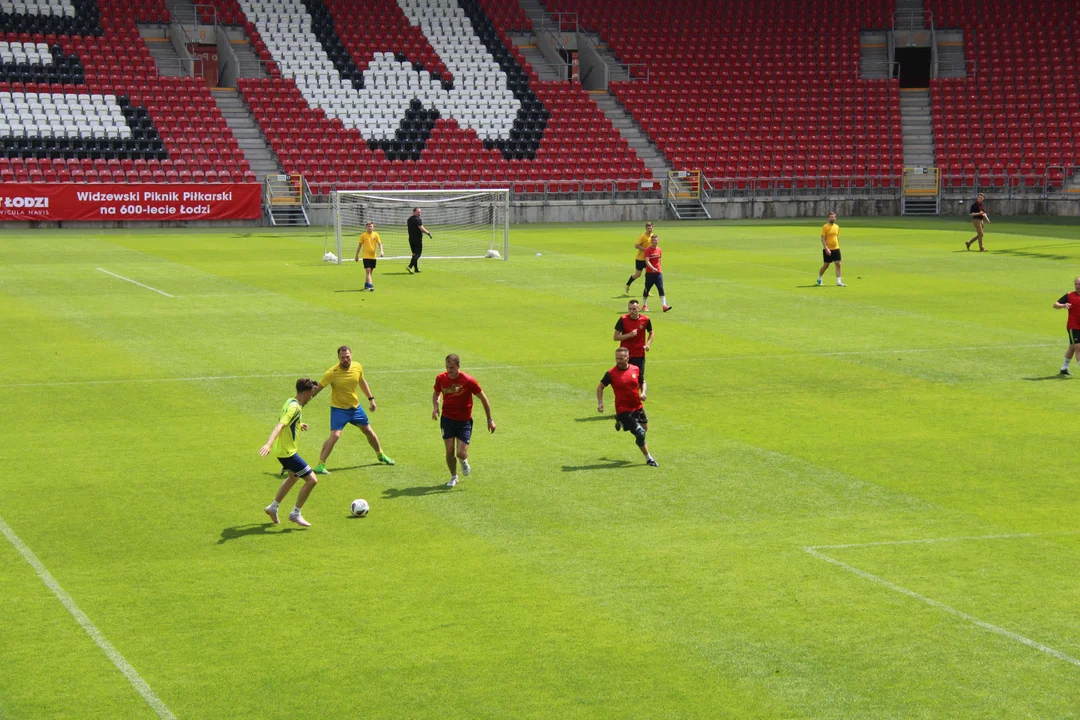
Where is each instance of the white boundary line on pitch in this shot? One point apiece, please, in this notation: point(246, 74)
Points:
point(135, 282)
point(96, 635)
point(485, 368)
point(815, 551)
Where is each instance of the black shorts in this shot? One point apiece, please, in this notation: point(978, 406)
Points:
point(830, 258)
point(296, 465)
point(370, 262)
point(654, 280)
point(631, 420)
point(639, 264)
point(416, 246)
point(459, 429)
point(639, 363)
point(1074, 336)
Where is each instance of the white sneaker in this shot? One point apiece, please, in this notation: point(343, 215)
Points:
point(840, 285)
point(298, 519)
point(453, 481)
point(272, 512)
point(819, 281)
point(465, 469)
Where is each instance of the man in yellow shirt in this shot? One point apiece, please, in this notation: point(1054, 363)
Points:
point(830, 249)
point(369, 243)
point(641, 246)
point(283, 442)
point(344, 379)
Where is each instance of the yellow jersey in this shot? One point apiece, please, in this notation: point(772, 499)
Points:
point(369, 243)
point(644, 239)
point(831, 233)
point(344, 384)
point(285, 443)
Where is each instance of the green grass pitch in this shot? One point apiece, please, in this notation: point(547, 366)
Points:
point(564, 578)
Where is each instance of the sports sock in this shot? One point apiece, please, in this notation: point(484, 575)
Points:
point(274, 505)
point(295, 511)
point(630, 281)
point(663, 300)
point(839, 279)
point(819, 277)
point(1066, 365)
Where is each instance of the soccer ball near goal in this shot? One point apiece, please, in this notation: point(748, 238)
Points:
point(359, 507)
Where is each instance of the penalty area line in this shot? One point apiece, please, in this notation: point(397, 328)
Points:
point(96, 635)
point(990, 627)
point(135, 282)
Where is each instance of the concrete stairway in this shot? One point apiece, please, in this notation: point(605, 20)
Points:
point(540, 64)
point(165, 57)
point(181, 10)
point(535, 10)
point(909, 15)
point(616, 70)
point(918, 127)
point(250, 65)
point(950, 54)
point(873, 55)
point(634, 135)
point(262, 159)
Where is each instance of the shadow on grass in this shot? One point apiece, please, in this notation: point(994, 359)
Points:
point(356, 467)
point(1049, 377)
point(1036, 255)
point(395, 493)
point(238, 531)
point(396, 273)
point(604, 464)
point(351, 291)
point(593, 418)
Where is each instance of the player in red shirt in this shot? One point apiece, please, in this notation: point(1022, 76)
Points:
point(1071, 302)
point(457, 390)
point(654, 276)
point(634, 332)
point(625, 382)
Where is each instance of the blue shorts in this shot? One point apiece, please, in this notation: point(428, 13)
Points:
point(296, 465)
point(460, 429)
point(339, 418)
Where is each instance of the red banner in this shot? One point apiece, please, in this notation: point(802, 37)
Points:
point(62, 201)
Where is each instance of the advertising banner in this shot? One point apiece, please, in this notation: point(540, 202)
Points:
point(68, 201)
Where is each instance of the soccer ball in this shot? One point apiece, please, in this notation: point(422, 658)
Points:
point(359, 507)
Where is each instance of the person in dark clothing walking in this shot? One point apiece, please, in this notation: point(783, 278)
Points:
point(417, 231)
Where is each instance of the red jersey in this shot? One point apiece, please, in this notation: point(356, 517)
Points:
point(457, 395)
point(627, 386)
point(652, 254)
point(636, 344)
point(1074, 311)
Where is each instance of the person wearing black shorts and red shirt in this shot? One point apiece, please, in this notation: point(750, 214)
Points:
point(978, 217)
point(634, 332)
point(625, 382)
point(1071, 302)
point(654, 274)
point(457, 390)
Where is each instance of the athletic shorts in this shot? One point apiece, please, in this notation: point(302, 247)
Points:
point(834, 257)
point(639, 265)
point(460, 429)
point(1074, 336)
point(631, 420)
point(339, 418)
point(296, 465)
point(654, 280)
point(639, 363)
point(370, 262)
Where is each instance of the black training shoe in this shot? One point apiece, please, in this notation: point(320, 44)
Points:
point(1065, 373)
point(651, 463)
point(618, 426)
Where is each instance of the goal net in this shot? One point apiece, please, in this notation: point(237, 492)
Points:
point(463, 223)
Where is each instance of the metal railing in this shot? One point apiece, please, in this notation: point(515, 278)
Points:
point(186, 67)
point(543, 191)
point(553, 21)
point(1011, 185)
point(793, 186)
point(915, 19)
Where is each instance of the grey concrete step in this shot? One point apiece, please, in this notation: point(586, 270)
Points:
point(247, 133)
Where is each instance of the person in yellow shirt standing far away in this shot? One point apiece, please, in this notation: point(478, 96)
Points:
point(369, 243)
point(641, 245)
point(830, 249)
point(344, 378)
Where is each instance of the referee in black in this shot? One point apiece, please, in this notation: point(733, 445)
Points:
point(417, 231)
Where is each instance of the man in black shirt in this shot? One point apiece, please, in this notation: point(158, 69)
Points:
point(978, 217)
point(417, 231)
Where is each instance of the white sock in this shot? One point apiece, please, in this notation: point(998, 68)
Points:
point(839, 279)
point(274, 506)
point(663, 300)
point(1066, 365)
point(295, 511)
point(819, 277)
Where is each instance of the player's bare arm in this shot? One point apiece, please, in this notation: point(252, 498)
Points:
point(316, 391)
point(435, 404)
point(600, 398)
point(624, 336)
point(487, 409)
point(649, 265)
point(367, 394)
point(265, 449)
point(425, 231)
point(1062, 306)
point(825, 245)
point(648, 341)
point(381, 253)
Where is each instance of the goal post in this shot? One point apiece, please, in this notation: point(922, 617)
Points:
point(465, 223)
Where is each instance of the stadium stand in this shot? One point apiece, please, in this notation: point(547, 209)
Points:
point(82, 101)
point(421, 92)
point(1015, 120)
point(754, 88)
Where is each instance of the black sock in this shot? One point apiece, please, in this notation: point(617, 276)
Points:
point(630, 281)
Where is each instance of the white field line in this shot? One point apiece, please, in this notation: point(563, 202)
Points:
point(485, 368)
point(113, 654)
point(930, 541)
point(135, 282)
point(996, 629)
